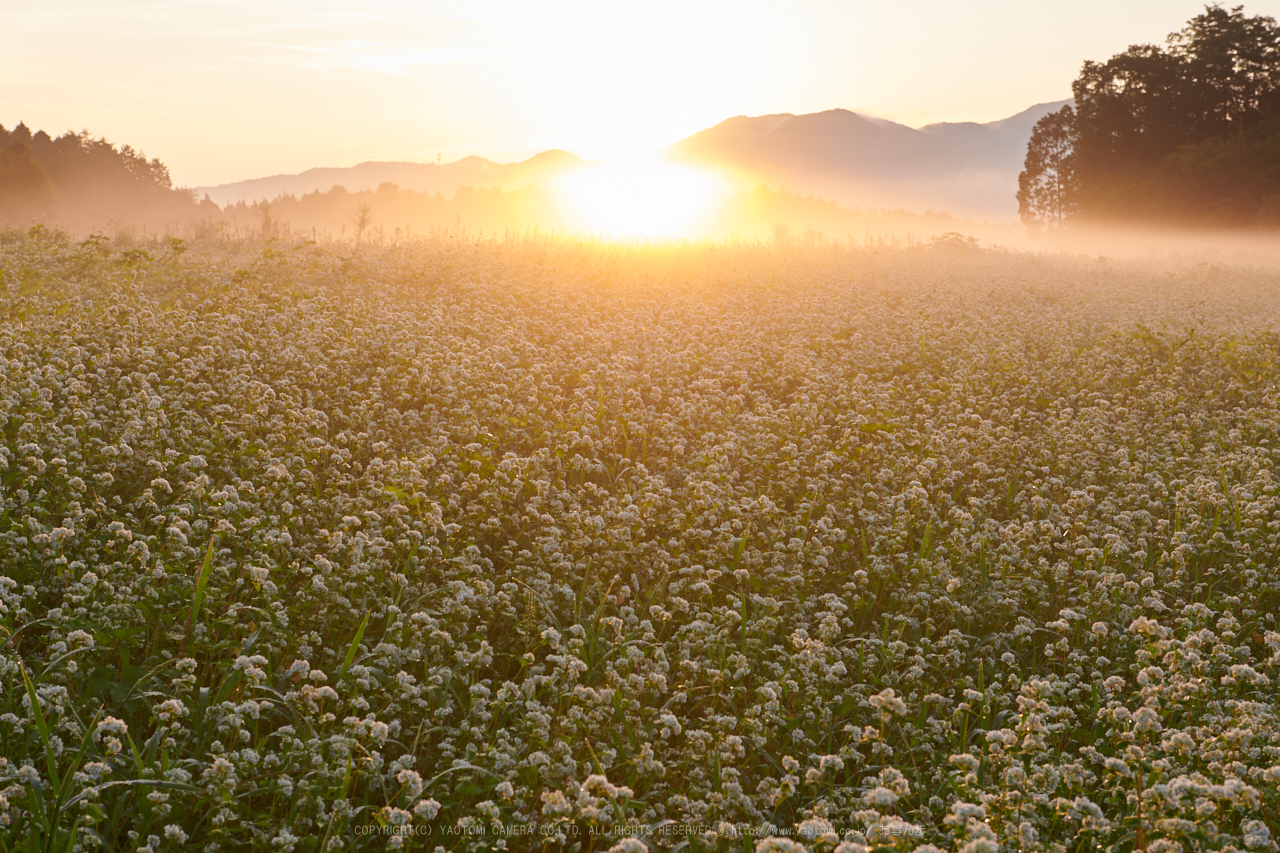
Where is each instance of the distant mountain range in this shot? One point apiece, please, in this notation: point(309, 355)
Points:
point(964, 168)
point(443, 178)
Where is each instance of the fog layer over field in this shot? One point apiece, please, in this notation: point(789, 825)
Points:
point(534, 543)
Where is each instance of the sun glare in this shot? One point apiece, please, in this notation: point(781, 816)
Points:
point(641, 198)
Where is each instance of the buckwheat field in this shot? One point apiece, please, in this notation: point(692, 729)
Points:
point(539, 544)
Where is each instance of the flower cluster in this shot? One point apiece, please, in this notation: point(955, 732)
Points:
point(534, 543)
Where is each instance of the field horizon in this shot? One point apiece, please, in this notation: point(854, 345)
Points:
point(573, 469)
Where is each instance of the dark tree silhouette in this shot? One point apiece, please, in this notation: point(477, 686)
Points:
point(1048, 189)
point(88, 183)
point(25, 190)
point(1179, 134)
point(1233, 69)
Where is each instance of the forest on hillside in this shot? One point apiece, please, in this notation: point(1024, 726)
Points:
point(84, 183)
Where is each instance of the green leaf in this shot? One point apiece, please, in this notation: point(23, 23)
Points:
point(201, 582)
point(43, 727)
point(355, 646)
point(130, 783)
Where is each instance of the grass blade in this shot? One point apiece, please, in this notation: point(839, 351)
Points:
point(43, 727)
point(197, 600)
point(355, 646)
point(201, 582)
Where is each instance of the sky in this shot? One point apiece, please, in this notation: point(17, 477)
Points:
point(225, 90)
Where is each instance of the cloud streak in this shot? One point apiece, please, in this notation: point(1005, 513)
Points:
point(374, 56)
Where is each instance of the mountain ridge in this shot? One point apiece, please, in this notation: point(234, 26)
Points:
point(857, 160)
point(443, 178)
point(965, 168)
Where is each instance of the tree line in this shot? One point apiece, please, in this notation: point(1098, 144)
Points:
point(83, 182)
point(1185, 134)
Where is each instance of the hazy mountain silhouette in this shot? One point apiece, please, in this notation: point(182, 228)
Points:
point(965, 168)
point(446, 178)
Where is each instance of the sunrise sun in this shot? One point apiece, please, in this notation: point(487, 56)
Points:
point(640, 198)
